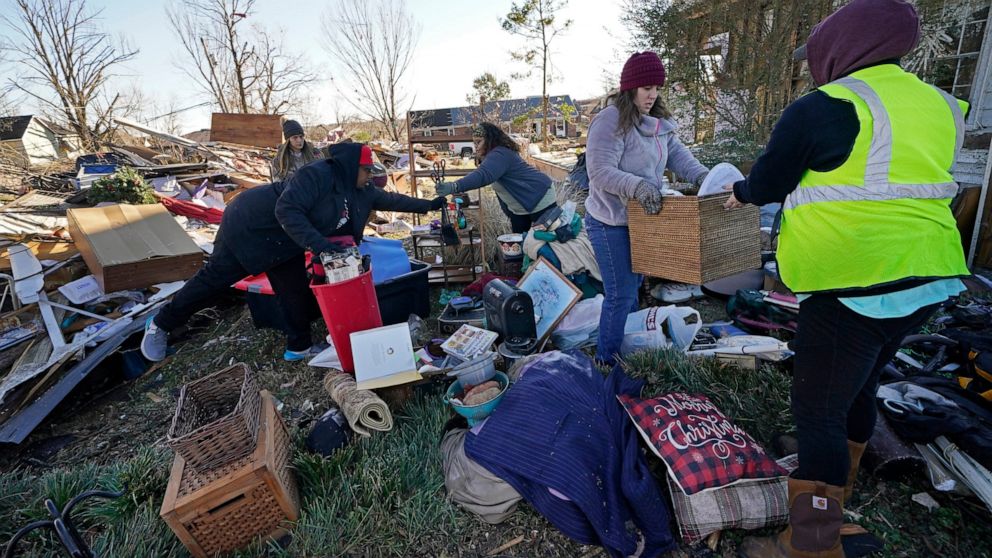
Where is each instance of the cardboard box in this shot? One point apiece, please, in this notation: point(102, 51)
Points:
point(133, 246)
point(694, 240)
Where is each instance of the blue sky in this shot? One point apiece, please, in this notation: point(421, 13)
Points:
point(459, 40)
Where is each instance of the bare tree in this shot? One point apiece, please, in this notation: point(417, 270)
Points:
point(7, 106)
point(64, 62)
point(535, 21)
point(372, 42)
point(280, 77)
point(242, 73)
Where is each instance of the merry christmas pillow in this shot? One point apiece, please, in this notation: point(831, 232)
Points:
point(700, 446)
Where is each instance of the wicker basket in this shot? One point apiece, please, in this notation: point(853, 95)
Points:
point(694, 240)
point(226, 508)
point(216, 419)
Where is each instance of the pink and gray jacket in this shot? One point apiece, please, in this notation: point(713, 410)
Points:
point(618, 163)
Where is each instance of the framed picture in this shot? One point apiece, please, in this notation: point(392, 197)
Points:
point(553, 295)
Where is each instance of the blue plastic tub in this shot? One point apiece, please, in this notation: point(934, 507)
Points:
point(389, 258)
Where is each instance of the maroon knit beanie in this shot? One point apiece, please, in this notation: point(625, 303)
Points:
point(641, 70)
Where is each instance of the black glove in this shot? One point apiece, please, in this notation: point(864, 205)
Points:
point(439, 202)
point(331, 248)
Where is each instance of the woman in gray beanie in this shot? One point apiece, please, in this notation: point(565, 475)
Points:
point(294, 153)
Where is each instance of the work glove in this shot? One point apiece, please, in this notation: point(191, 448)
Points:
point(649, 197)
point(439, 202)
point(446, 188)
point(329, 247)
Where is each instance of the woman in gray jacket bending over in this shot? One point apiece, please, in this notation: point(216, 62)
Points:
point(631, 143)
point(524, 193)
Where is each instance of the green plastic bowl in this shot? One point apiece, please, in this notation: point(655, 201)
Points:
point(476, 413)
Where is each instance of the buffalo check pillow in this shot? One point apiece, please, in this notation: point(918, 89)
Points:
point(701, 448)
point(749, 504)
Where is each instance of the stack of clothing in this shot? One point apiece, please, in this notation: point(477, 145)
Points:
point(562, 440)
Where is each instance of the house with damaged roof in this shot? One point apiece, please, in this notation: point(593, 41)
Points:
point(33, 140)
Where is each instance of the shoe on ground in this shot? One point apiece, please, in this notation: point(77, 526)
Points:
point(296, 356)
point(672, 292)
point(155, 342)
point(697, 291)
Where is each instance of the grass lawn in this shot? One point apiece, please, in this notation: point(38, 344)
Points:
point(384, 495)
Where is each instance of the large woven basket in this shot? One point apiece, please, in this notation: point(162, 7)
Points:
point(226, 508)
point(694, 240)
point(216, 419)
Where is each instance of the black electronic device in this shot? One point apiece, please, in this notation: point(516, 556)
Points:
point(510, 312)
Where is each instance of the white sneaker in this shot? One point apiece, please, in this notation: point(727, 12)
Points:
point(672, 292)
point(697, 291)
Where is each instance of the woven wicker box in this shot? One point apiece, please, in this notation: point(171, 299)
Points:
point(229, 507)
point(216, 418)
point(694, 240)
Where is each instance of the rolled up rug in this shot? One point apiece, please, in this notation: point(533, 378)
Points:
point(363, 408)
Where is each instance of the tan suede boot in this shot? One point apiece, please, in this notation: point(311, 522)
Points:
point(815, 518)
point(855, 450)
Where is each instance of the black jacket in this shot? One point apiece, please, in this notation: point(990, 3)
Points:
point(270, 224)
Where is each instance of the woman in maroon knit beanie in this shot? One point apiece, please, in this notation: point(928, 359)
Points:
point(631, 144)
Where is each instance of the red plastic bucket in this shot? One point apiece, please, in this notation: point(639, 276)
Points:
point(347, 307)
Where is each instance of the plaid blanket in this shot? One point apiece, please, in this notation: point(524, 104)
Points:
point(749, 504)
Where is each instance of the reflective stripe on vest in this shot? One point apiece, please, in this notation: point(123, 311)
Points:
point(876, 183)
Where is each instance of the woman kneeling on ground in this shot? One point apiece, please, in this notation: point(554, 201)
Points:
point(269, 228)
point(524, 193)
point(631, 143)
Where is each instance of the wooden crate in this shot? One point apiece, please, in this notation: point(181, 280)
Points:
point(258, 130)
point(229, 507)
point(694, 240)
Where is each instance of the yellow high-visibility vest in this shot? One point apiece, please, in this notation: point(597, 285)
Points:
point(884, 215)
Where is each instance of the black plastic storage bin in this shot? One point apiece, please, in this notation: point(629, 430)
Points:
point(404, 295)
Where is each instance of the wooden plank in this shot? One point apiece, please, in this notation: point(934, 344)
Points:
point(981, 236)
point(965, 209)
point(260, 130)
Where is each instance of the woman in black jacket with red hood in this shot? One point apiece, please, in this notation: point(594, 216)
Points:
point(269, 228)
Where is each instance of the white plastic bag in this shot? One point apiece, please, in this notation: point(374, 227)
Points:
point(580, 327)
point(719, 176)
point(328, 358)
point(660, 327)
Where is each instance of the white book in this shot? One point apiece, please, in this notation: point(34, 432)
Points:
point(384, 357)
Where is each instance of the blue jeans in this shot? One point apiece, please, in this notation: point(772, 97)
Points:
point(612, 247)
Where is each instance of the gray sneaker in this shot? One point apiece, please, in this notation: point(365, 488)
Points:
point(155, 342)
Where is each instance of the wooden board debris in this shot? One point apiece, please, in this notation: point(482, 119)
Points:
point(261, 130)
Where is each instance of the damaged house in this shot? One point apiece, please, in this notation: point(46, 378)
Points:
point(32, 140)
point(731, 74)
point(521, 116)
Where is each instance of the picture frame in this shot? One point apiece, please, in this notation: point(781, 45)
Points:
point(552, 293)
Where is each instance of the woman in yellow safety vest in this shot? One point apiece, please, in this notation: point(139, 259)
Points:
point(862, 166)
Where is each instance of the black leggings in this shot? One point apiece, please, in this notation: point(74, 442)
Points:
point(522, 223)
point(839, 358)
point(288, 280)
